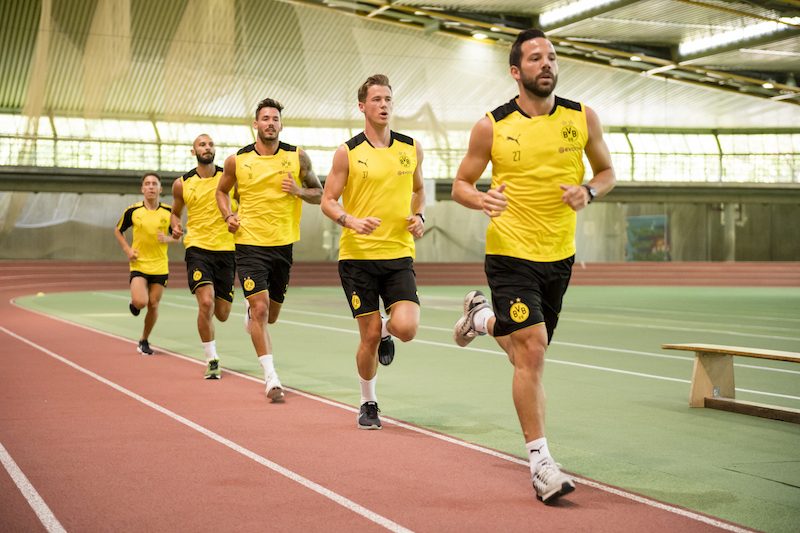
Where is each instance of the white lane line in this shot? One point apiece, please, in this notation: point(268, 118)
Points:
point(681, 328)
point(640, 310)
point(500, 353)
point(455, 303)
point(43, 512)
point(297, 478)
point(446, 438)
point(683, 358)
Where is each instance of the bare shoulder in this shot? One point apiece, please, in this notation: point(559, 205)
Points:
point(177, 186)
point(592, 120)
point(480, 139)
point(483, 127)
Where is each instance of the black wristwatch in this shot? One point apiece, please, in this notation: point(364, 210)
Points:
point(591, 190)
point(421, 217)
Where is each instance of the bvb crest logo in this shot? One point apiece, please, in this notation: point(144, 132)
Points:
point(569, 133)
point(355, 301)
point(197, 275)
point(404, 160)
point(249, 284)
point(519, 312)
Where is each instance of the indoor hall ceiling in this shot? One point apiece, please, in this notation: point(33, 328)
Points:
point(213, 60)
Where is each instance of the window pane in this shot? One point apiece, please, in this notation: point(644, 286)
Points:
point(617, 143)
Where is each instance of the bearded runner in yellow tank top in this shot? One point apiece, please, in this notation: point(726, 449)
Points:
point(273, 179)
point(535, 143)
point(532, 157)
point(210, 257)
point(379, 184)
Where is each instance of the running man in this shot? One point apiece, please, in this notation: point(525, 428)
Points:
point(536, 143)
point(147, 253)
point(210, 256)
point(273, 179)
point(378, 174)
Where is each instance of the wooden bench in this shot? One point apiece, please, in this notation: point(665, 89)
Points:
point(713, 384)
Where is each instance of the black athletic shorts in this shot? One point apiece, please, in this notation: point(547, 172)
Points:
point(160, 279)
point(364, 281)
point(264, 268)
point(525, 293)
point(205, 267)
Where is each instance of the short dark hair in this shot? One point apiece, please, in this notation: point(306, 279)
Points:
point(515, 56)
point(151, 174)
point(375, 79)
point(268, 102)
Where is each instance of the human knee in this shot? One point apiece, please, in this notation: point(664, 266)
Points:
point(259, 311)
point(205, 306)
point(529, 352)
point(371, 339)
point(404, 331)
point(274, 311)
point(222, 314)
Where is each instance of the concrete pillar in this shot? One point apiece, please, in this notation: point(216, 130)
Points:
point(729, 223)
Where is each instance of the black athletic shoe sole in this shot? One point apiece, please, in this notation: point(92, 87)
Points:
point(566, 488)
point(386, 351)
point(134, 310)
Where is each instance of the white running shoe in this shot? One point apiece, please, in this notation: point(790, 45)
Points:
point(464, 331)
point(246, 315)
point(550, 483)
point(274, 389)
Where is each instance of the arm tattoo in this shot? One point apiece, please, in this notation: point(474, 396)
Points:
point(342, 219)
point(307, 175)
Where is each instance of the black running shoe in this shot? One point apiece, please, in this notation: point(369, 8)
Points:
point(134, 310)
point(386, 351)
point(368, 417)
point(212, 370)
point(144, 348)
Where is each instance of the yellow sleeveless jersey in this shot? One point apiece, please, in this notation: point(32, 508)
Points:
point(204, 225)
point(379, 184)
point(532, 156)
point(147, 224)
point(267, 215)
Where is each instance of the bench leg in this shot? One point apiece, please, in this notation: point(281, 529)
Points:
point(711, 371)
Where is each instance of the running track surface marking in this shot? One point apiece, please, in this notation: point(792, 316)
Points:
point(112, 439)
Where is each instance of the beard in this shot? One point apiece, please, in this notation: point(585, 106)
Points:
point(205, 160)
point(268, 136)
point(532, 86)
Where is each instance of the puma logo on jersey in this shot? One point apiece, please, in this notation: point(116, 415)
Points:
point(360, 162)
point(515, 139)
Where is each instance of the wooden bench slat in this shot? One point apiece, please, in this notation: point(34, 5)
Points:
point(713, 381)
point(785, 414)
point(775, 355)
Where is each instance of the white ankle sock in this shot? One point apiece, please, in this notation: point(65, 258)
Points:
point(210, 349)
point(267, 364)
point(368, 389)
point(537, 453)
point(384, 328)
point(481, 319)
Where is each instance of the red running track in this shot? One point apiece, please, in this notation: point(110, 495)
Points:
point(111, 440)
